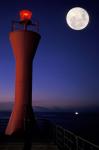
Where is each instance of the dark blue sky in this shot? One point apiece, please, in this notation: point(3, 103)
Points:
point(66, 65)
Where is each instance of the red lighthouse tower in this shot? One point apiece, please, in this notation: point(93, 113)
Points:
point(24, 44)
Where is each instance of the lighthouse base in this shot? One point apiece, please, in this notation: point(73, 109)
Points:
point(19, 125)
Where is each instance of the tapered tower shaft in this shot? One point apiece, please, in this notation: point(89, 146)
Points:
point(24, 44)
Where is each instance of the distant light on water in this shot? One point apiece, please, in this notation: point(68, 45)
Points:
point(76, 113)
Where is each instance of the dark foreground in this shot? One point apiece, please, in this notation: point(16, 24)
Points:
point(41, 137)
point(45, 136)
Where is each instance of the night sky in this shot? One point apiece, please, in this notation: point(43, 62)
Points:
point(66, 65)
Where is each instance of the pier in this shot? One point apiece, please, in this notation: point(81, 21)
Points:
point(48, 137)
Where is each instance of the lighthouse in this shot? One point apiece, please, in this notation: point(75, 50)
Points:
point(24, 43)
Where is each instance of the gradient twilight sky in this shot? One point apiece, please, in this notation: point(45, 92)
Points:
point(66, 65)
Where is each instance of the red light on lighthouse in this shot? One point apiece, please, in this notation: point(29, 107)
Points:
point(25, 15)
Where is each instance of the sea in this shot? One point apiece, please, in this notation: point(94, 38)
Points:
point(85, 125)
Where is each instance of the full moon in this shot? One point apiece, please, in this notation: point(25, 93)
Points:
point(77, 18)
